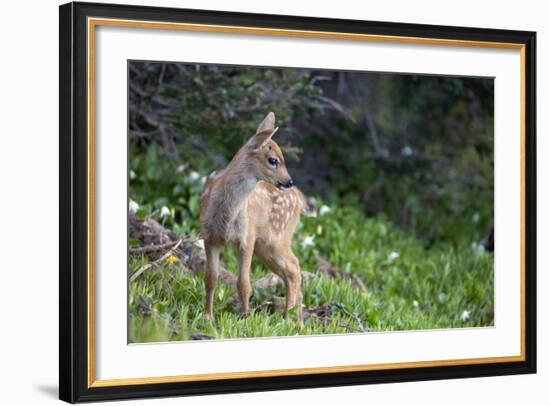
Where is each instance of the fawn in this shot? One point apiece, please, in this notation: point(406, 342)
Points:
point(252, 205)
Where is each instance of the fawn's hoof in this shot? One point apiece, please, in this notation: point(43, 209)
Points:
point(243, 315)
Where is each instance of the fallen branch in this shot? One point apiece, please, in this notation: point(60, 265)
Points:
point(351, 314)
point(149, 232)
point(152, 248)
point(155, 263)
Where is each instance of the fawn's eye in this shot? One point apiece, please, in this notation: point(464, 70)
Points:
point(273, 162)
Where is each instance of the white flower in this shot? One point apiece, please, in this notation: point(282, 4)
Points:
point(164, 212)
point(308, 241)
point(393, 256)
point(133, 207)
point(406, 151)
point(199, 243)
point(203, 180)
point(132, 174)
point(478, 248)
point(194, 176)
point(415, 304)
point(180, 169)
point(324, 210)
point(475, 217)
point(465, 316)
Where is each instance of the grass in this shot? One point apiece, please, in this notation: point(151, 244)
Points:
point(409, 286)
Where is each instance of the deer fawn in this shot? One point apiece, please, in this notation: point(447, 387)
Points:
point(252, 205)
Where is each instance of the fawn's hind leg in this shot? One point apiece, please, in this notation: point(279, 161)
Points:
point(293, 284)
point(284, 263)
point(211, 271)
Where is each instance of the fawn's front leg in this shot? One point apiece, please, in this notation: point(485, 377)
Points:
point(211, 272)
point(246, 249)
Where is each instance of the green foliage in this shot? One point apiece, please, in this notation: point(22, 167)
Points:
point(416, 148)
point(204, 113)
point(425, 160)
point(234, 101)
point(408, 285)
point(156, 182)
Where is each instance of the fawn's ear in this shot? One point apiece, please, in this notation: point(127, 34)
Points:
point(260, 139)
point(267, 124)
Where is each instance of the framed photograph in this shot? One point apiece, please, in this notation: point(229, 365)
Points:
point(257, 202)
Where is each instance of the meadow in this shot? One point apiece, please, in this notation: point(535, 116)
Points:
point(360, 275)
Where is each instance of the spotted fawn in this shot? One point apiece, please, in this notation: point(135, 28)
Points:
point(252, 205)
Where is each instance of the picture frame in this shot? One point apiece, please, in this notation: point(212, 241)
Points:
point(79, 22)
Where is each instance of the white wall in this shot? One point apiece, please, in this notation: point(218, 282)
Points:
point(29, 189)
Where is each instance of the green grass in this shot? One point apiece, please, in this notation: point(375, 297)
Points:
point(409, 286)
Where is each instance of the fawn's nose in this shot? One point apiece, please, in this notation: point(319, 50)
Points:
point(287, 184)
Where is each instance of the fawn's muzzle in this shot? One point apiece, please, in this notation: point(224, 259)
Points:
point(287, 184)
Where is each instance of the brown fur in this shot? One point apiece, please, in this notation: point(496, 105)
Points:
point(242, 206)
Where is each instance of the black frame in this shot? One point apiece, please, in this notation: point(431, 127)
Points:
point(73, 196)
